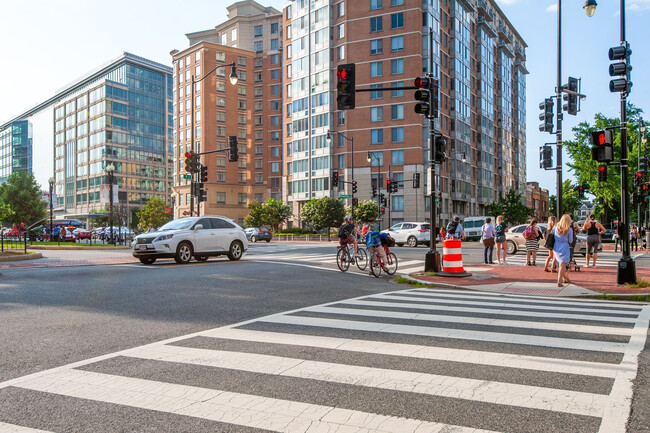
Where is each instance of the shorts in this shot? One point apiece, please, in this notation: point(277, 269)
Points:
point(592, 244)
point(499, 239)
point(345, 241)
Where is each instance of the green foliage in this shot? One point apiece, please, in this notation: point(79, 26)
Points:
point(512, 208)
point(22, 195)
point(366, 212)
point(153, 214)
point(270, 213)
point(295, 231)
point(323, 212)
point(135, 219)
point(5, 212)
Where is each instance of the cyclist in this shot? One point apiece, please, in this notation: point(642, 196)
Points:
point(347, 234)
point(375, 244)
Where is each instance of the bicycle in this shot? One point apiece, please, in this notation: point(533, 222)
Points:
point(345, 256)
point(376, 263)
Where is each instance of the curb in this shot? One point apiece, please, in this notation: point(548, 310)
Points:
point(18, 258)
point(76, 248)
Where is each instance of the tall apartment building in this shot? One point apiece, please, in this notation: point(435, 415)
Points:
point(15, 148)
point(250, 110)
point(479, 59)
point(119, 113)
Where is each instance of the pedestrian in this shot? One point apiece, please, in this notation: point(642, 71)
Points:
point(563, 234)
point(616, 237)
point(455, 229)
point(500, 240)
point(552, 221)
point(532, 234)
point(634, 235)
point(488, 238)
point(594, 230)
point(62, 234)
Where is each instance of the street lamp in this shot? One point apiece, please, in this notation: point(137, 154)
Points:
point(328, 139)
point(590, 7)
point(51, 182)
point(233, 81)
point(369, 157)
point(110, 168)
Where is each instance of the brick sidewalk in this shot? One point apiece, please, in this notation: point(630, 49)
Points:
point(59, 263)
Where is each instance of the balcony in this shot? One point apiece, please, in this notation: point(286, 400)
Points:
point(521, 66)
point(467, 5)
point(504, 33)
point(459, 196)
point(483, 10)
point(519, 52)
point(503, 45)
point(487, 28)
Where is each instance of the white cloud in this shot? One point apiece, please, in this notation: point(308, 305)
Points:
point(507, 2)
point(638, 5)
point(552, 8)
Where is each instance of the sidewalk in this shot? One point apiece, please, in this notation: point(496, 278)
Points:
point(533, 280)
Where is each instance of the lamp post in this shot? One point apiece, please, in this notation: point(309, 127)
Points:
point(328, 139)
point(233, 81)
point(110, 168)
point(590, 9)
point(369, 157)
point(51, 182)
point(638, 161)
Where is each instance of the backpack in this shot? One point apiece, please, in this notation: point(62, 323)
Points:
point(529, 233)
point(451, 227)
point(343, 233)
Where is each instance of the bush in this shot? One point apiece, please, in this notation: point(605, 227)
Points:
point(294, 231)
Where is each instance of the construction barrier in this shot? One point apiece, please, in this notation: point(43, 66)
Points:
point(452, 259)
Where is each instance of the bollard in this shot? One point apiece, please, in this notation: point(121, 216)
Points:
point(452, 259)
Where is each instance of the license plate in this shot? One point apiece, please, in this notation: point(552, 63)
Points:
point(141, 247)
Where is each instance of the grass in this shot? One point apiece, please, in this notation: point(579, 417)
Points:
point(403, 280)
point(635, 298)
point(641, 283)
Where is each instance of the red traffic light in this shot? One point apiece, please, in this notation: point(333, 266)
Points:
point(644, 187)
point(388, 182)
point(601, 138)
point(638, 174)
point(421, 82)
point(188, 154)
point(602, 168)
point(342, 74)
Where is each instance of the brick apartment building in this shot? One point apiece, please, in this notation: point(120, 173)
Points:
point(537, 198)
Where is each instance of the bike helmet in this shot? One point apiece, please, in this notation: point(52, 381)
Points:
point(347, 218)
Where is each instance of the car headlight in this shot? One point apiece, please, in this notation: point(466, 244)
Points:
point(163, 237)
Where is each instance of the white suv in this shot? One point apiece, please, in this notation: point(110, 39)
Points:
point(198, 237)
point(409, 233)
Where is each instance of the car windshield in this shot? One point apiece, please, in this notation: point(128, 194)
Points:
point(183, 223)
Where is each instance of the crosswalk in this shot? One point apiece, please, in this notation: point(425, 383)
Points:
point(416, 360)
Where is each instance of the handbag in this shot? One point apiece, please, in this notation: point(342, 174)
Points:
point(488, 242)
point(550, 241)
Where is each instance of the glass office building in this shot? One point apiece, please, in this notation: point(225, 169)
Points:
point(15, 148)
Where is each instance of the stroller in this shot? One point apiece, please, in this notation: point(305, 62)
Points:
point(572, 260)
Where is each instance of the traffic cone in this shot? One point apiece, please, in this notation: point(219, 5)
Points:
point(452, 259)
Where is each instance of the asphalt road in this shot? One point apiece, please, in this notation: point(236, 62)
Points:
point(53, 317)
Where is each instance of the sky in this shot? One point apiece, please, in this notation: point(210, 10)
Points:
point(48, 44)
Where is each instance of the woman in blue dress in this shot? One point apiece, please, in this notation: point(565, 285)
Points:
point(561, 249)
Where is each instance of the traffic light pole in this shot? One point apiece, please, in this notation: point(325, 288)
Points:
point(639, 215)
point(558, 130)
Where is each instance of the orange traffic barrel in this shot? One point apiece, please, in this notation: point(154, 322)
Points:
point(452, 259)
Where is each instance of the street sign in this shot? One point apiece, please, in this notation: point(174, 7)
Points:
point(345, 195)
point(187, 176)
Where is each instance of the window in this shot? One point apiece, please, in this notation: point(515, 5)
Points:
point(397, 135)
point(397, 66)
point(376, 24)
point(377, 136)
point(397, 93)
point(376, 69)
point(398, 203)
point(340, 10)
point(241, 198)
point(397, 21)
point(275, 74)
point(375, 4)
point(257, 31)
point(274, 28)
point(397, 157)
point(275, 59)
point(377, 94)
point(275, 44)
point(397, 43)
point(340, 52)
point(341, 161)
point(376, 114)
point(341, 31)
point(376, 46)
point(258, 46)
point(377, 159)
point(275, 89)
point(396, 2)
point(275, 167)
point(397, 112)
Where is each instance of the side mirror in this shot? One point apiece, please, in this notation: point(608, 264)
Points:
point(198, 227)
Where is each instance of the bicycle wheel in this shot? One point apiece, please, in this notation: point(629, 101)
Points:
point(342, 260)
point(362, 260)
point(375, 267)
point(391, 263)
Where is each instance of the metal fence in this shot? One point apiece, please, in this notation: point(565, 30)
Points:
point(15, 243)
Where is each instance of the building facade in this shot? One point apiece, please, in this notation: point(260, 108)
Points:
point(537, 198)
point(121, 115)
point(15, 148)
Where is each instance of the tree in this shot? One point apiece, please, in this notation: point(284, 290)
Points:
point(323, 212)
point(608, 194)
point(255, 217)
point(270, 213)
point(5, 212)
point(153, 214)
point(512, 208)
point(366, 212)
point(571, 202)
point(23, 196)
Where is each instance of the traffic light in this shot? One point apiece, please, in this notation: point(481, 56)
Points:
point(581, 191)
point(643, 164)
point(374, 191)
point(423, 96)
point(602, 146)
point(602, 173)
point(204, 173)
point(416, 180)
point(191, 161)
point(547, 115)
point(201, 193)
point(395, 186)
point(545, 157)
point(382, 198)
point(571, 106)
point(345, 86)
point(355, 202)
point(382, 210)
point(440, 148)
point(389, 185)
point(621, 68)
point(638, 179)
point(335, 179)
point(233, 155)
point(354, 187)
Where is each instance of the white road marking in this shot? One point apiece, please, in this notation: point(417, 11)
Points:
point(12, 428)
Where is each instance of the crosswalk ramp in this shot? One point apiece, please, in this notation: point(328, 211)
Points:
point(417, 360)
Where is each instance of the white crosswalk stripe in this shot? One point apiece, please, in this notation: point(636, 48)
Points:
point(416, 360)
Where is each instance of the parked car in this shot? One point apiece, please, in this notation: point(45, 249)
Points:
point(608, 236)
point(254, 234)
point(409, 233)
point(120, 233)
point(516, 242)
point(198, 237)
point(81, 233)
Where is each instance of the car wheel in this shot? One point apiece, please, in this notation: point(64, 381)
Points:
point(201, 258)
point(412, 242)
point(400, 245)
point(512, 248)
point(236, 250)
point(268, 240)
point(147, 260)
point(252, 238)
point(183, 253)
